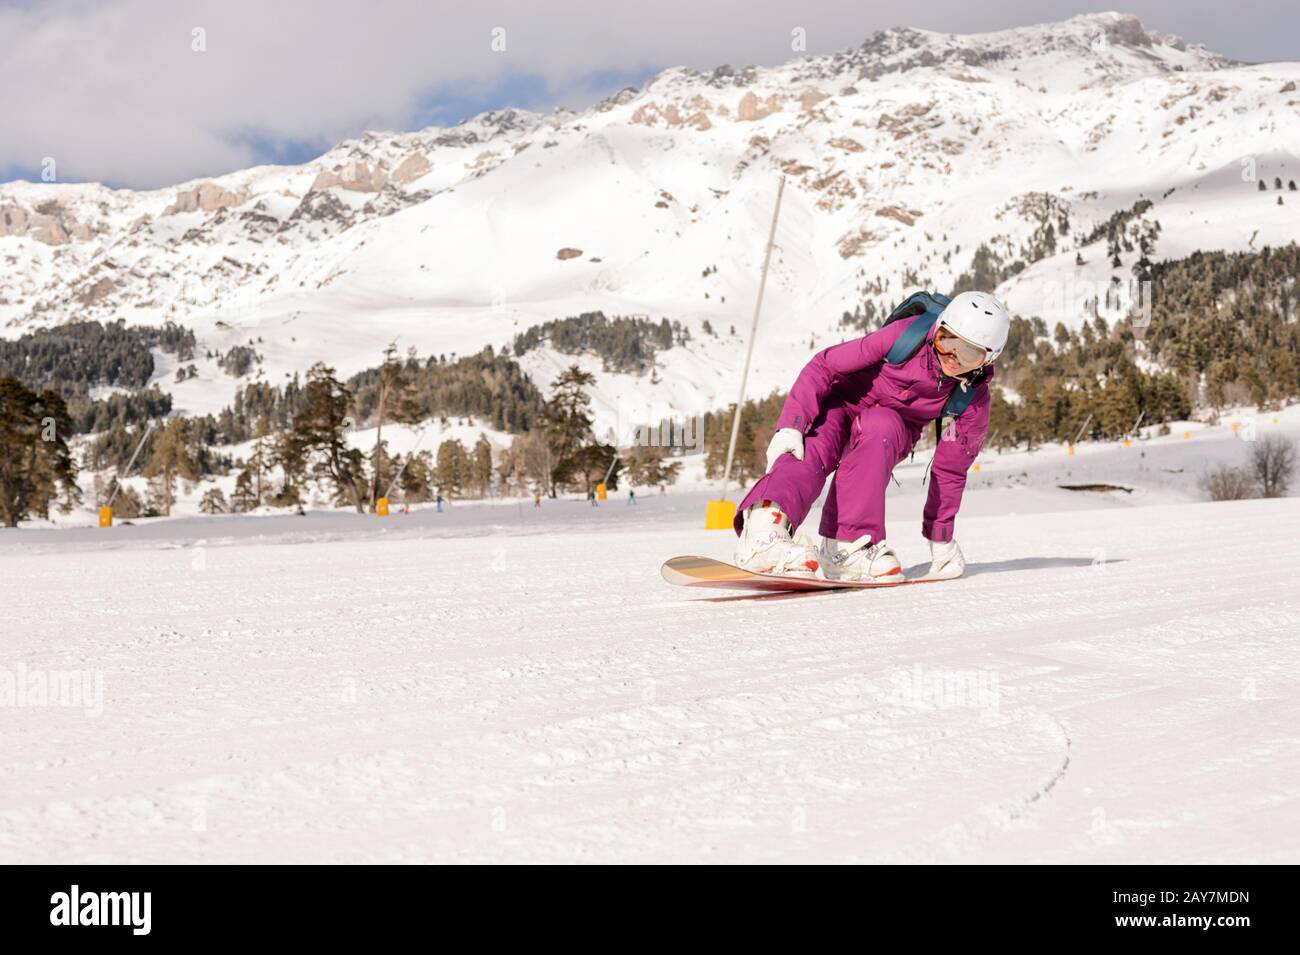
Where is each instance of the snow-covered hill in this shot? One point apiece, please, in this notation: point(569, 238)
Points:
point(903, 156)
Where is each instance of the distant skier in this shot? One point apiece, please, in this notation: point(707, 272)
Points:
point(631, 497)
point(437, 504)
point(857, 409)
point(537, 500)
point(591, 496)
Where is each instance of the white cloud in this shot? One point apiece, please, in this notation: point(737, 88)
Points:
point(113, 91)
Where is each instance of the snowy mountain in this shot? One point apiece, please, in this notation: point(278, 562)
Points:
point(903, 156)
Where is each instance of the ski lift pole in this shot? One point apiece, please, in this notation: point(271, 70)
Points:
point(1086, 421)
point(1137, 424)
point(715, 518)
point(129, 464)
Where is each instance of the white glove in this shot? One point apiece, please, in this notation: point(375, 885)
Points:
point(946, 560)
point(787, 439)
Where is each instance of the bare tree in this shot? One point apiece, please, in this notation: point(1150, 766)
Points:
point(1273, 459)
point(1226, 483)
point(538, 460)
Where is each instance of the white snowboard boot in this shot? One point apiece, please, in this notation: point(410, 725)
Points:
point(861, 561)
point(766, 547)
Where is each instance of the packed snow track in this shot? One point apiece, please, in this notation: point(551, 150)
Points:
point(505, 683)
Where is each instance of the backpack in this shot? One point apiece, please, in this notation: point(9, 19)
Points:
point(929, 306)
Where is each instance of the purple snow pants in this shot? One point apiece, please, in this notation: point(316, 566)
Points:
point(862, 448)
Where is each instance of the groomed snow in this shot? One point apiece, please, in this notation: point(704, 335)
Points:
point(1110, 682)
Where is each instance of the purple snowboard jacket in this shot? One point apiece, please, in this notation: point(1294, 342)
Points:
point(855, 374)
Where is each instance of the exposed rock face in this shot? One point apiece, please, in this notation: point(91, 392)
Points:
point(412, 168)
point(809, 99)
point(650, 114)
point(1127, 30)
point(356, 176)
point(13, 220)
point(568, 253)
point(97, 292)
point(205, 197)
point(751, 108)
point(319, 206)
point(49, 223)
point(625, 95)
point(855, 242)
point(900, 214)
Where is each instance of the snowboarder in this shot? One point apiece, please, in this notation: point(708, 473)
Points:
point(857, 409)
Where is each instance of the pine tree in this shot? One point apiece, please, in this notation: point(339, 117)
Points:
point(319, 433)
point(649, 466)
point(396, 403)
point(34, 456)
point(592, 462)
point(566, 424)
point(170, 458)
point(417, 477)
point(289, 454)
point(481, 466)
point(127, 504)
point(244, 498)
point(452, 471)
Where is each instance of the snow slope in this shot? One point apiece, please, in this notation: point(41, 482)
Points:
point(1109, 683)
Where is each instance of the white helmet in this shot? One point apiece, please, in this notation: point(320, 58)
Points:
point(980, 318)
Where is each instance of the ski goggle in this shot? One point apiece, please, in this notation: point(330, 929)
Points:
point(947, 342)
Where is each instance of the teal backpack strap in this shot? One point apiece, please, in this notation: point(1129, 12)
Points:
point(924, 304)
point(925, 308)
point(916, 303)
point(906, 345)
point(957, 402)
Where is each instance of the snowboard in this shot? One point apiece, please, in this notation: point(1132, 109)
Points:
point(707, 572)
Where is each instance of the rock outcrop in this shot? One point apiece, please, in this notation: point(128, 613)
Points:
point(205, 197)
point(354, 176)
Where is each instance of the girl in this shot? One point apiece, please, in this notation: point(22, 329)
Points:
point(857, 409)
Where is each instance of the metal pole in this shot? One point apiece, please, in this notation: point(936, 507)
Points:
point(753, 333)
point(1086, 421)
point(118, 485)
point(1137, 424)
